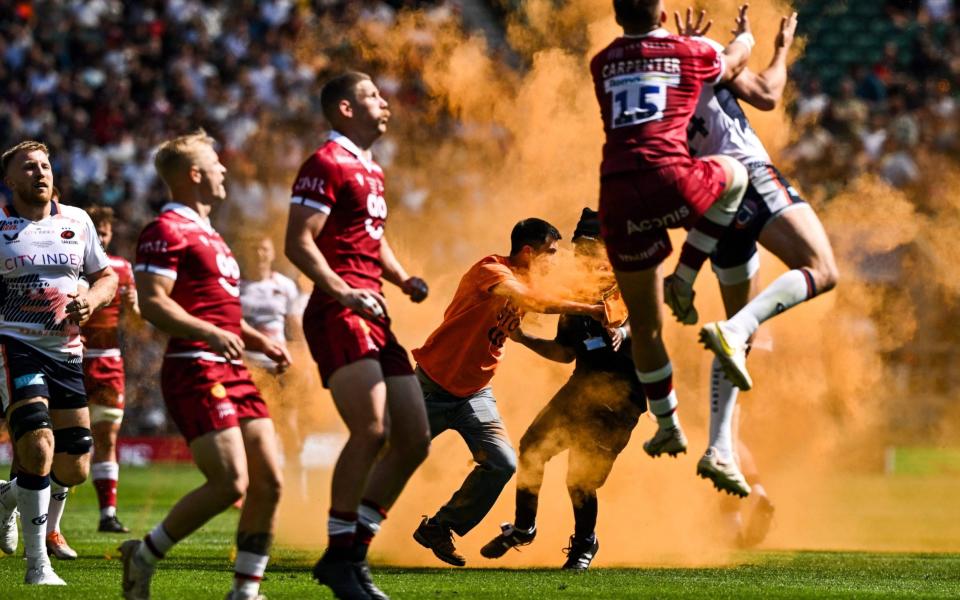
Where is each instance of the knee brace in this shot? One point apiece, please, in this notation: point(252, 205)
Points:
point(105, 414)
point(72, 440)
point(29, 417)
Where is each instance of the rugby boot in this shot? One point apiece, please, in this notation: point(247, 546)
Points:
point(57, 546)
point(678, 294)
point(111, 524)
point(759, 524)
point(235, 595)
point(732, 354)
point(41, 573)
point(436, 537)
point(365, 578)
point(9, 536)
point(724, 473)
point(580, 553)
point(136, 573)
point(340, 575)
point(670, 441)
point(510, 537)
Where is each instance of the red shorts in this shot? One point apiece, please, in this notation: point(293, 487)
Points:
point(104, 380)
point(637, 208)
point(203, 395)
point(337, 337)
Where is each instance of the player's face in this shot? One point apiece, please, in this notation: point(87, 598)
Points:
point(212, 173)
point(371, 109)
point(30, 177)
point(546, 256)
point(265, 252)
point(105, 233)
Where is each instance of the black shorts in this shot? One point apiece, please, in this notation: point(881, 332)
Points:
point(768, 196)
point(25, 372)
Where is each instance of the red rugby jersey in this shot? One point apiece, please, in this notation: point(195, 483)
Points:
point(342, 182)
point(184, 247)
point(101, 331)
point(648, 87)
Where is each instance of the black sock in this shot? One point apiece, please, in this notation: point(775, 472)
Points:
point(526, 516)
point(584, 514)
point(360, 546)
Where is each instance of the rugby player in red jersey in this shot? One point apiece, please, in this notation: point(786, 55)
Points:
point(45, 248)
point(647, 83)
point(187, 282)
point(104, 377)
point(335, 235)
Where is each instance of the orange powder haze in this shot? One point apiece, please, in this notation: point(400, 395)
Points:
point(529, 145)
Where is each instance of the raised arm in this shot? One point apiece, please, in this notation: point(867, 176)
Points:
point(737, 52)
point(168, 316)
point(531, 300)
point(764, 90)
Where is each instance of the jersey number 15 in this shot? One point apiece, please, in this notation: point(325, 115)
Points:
point(636, 99)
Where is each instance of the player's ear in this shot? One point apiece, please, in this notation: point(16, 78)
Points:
point(346, 108)
point(195, 175)
point(663, 17)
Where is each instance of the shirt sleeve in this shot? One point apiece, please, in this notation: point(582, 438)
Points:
point(160, 249)
point(490, 274)
point(292, 294)
point(316, 184)
point(94, 258)
point(712, 63)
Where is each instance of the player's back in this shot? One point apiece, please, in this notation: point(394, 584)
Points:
point(179, 245)
point(648, 87)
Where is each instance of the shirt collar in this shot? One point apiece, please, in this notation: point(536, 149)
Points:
point(659, 33)
point(188, 213)
point(348, 145)
point(12, 212)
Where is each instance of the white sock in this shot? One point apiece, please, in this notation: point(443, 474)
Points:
point(155, 545)
point(786, 291)
point(58, 499)
point(723, 402)
point(248, 571)
point(658, 386)
point(758, 490)
point(33, 505)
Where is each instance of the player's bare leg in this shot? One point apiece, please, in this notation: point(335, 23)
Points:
point(643, 294)
point(221, 457)
point(258, 516)
point(796, 237)
point(407, 447)
point(360, 395)
point(105, 468)
point(761, 516)
point(71, 465)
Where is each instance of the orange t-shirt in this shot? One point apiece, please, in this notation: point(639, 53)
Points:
point(463, 353)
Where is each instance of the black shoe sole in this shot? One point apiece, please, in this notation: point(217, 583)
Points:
point(456, 562)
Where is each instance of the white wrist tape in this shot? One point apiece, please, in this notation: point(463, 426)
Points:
point(623, 332)
point(746, 38)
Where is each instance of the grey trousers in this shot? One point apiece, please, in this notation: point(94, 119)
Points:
point(478, 422)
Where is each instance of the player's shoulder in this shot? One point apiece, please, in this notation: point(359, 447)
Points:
point(283, 282)
point(494, 262)
point(714, 44)
point(73, 213)
point(168, 225)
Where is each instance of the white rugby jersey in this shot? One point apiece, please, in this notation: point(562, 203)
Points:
point(40, 263)
point(267, 303)
point(719, 126)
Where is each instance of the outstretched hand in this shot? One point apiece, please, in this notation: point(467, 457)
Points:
point(690, 29)
point(743, 23)
point(788, 27)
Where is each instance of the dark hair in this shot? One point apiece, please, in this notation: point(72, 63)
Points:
point(642, 14)
point(341, 87)
point(26, 146)
point(532, 232)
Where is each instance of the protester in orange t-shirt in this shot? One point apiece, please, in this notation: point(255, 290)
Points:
point(457, 362)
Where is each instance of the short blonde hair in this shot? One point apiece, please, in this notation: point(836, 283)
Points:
point(179, 154)
point(26, 146)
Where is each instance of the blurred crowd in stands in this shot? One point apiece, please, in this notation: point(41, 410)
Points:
point(103, 81)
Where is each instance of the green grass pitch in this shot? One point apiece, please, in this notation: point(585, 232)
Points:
point(201, 567)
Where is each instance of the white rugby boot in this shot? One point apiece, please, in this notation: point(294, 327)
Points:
point(724, 474)
point(9, 535)
point(41, 572)
point(136, 573)
point(678, 294)
point(731, 352)
point(670, 441)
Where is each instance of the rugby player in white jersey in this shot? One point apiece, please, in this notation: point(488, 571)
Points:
point(45, 246)
point(772, 213)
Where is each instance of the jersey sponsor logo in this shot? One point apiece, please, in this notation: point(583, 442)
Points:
point(645, 255)
point(10, 225)
point(673, 219)
point(39, 520)
point(11, 238)
point(225, 410)
point(29, 380)
point(68, 234)
point(309, 184)
point(218, 391)
point(153, 246)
